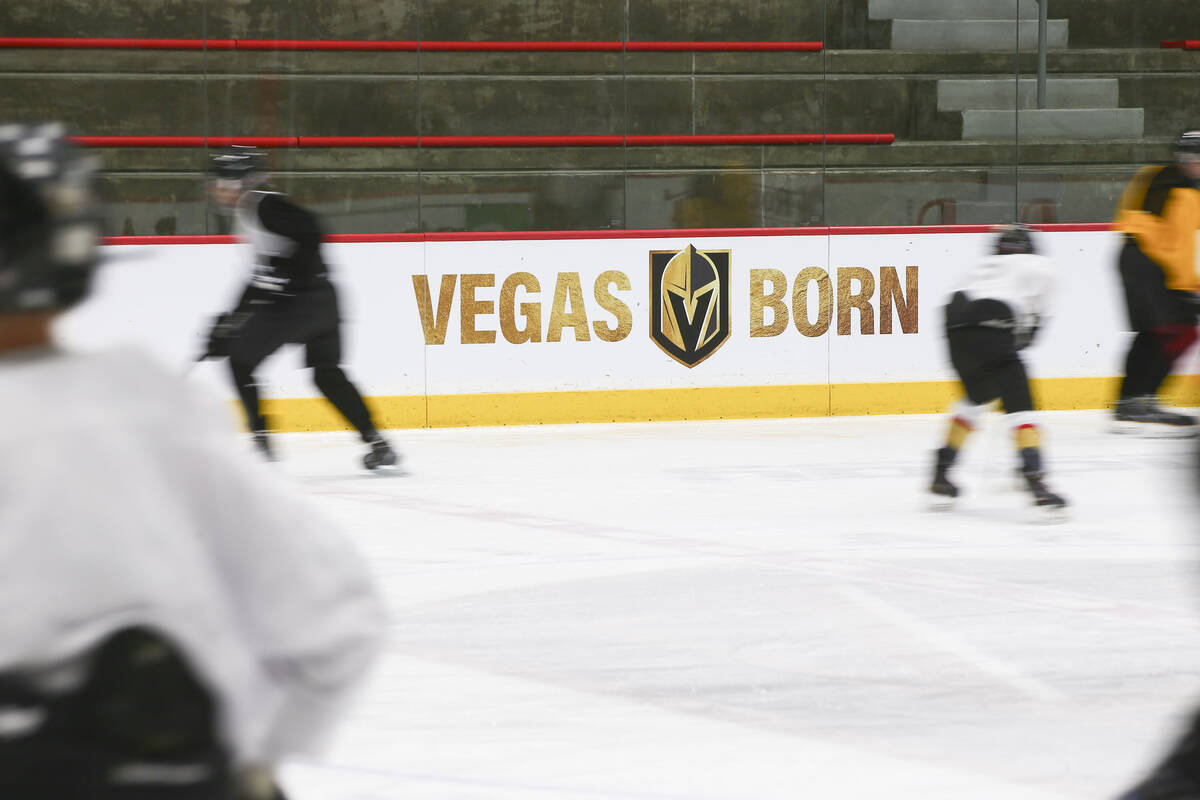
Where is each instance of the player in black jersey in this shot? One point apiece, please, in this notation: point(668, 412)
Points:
point(289, 300)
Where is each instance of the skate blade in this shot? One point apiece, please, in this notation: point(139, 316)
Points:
point(396, 470)
point(1048, 515)
point(939, 502)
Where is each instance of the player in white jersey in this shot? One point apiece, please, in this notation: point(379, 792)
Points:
point(995, 313)
point(175, 616)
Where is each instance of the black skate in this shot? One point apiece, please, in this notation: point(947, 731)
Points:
point(941, 488)
point(1143, 415)
point(262, 441)
point(1051, 504)
point(381, 455)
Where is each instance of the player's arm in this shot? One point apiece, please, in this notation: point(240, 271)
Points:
point(1040, 277)
point(302, 593)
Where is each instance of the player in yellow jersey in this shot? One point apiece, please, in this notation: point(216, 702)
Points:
point(1159, 215)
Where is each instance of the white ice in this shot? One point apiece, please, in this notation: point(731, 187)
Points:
point(762, 609)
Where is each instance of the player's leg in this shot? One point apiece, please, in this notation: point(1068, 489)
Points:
point(323, 354)
point(264, 333)
point(964, 418)
point(969, 354)
point(1015, 396)
point(1138, 382)
point(1166, 328)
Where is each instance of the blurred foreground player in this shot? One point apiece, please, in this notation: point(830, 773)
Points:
point(175, 618)
point(1159, 214)
point(1177, 776)
point(289, 300)
point(993, 316)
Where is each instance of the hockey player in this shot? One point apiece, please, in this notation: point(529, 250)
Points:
point(993, 316)
point(1177, 776)
point(1159, 214)
point(289, 299)
point(175, 617)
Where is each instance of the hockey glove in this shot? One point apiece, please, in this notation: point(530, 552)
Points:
point(225, 328)
point(1026, 334)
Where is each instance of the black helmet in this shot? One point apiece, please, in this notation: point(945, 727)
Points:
point(1188, 143)
point(237, 163)
point(1014, 239)
point(50, 222)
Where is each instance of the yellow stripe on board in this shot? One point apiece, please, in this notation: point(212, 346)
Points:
point(719, 402)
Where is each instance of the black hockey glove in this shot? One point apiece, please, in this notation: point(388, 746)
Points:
point(1025, 336)
point(225, 328)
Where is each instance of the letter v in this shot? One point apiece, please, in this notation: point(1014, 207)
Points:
point(434, 326)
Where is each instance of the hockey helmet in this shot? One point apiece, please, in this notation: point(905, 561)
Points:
point(239, 163)
point(1014, 239)
point(50, 221)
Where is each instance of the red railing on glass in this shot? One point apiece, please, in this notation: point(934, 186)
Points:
point(122, 43)
point(633, 140)
point(666, 233)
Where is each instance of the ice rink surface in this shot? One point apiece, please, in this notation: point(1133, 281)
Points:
point(762, 609)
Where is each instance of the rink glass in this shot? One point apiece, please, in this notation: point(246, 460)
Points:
point(947, 91)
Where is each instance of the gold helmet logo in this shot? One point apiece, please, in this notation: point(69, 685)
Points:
point(689, 297)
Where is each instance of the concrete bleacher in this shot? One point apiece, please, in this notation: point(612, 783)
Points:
point(951, 111)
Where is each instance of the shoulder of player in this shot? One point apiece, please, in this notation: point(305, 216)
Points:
point(278, 213)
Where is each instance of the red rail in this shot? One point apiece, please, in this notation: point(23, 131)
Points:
point(1182, 44)
point(655, 140)
point(398, 45)
point(671, 233)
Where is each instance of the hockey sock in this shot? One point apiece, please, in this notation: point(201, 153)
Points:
point(1031, 460)
point(1027, 437)
point(957, 435)
point(334, 384)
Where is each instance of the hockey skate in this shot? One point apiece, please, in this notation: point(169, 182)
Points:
point(262, 443)
point(1051, 507)
point(1144, 416)
point(942, 491)
point(381, 456)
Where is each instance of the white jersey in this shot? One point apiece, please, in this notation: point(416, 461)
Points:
point(127, 500)
point(1023, 282)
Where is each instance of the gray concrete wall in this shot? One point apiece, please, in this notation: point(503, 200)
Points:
point(427, 19)
point(840, 23)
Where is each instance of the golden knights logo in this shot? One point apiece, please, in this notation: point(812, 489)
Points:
point(689, 302)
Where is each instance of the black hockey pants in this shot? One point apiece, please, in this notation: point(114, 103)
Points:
point(310, 319)
point(983, 351)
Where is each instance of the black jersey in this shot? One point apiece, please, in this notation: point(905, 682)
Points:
point(287, 245)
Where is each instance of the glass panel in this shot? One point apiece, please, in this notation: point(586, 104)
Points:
point(940, 77)
point(305, 93)
point(946, 78)
point(1111, 104)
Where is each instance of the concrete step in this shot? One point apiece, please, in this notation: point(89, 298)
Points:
point(974, 34)
point(952, 9)
point(981, 93)
point(1055, 123)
